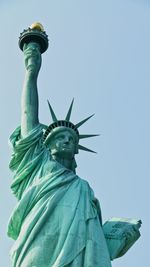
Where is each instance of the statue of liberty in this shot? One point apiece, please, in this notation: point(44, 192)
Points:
point(57, 221)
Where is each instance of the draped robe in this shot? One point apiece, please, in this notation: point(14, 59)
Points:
point(57, 221)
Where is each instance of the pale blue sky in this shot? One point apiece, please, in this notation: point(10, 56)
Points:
point(99, 54)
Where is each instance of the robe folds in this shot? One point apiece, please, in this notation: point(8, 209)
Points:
point(57, 220)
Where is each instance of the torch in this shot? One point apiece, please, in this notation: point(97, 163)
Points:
point(35, 33)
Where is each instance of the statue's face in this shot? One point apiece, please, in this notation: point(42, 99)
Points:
point(63, 144)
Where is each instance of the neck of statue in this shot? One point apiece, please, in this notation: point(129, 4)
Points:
point(67, 163)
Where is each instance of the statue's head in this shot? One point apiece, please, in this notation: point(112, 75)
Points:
point(63, 143)
point(62, 136)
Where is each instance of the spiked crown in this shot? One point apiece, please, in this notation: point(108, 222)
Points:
point(59, 125)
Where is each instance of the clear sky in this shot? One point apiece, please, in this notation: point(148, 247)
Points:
point(99, 54)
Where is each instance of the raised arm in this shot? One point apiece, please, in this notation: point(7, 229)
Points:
point(29, 100)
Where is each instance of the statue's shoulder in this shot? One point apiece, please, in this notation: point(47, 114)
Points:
point(85, 184)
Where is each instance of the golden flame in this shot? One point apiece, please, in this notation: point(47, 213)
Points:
point(37, 26)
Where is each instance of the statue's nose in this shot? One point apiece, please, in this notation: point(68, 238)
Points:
point(66, 139)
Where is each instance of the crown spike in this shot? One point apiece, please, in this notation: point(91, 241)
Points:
point(85, 149)
point(52, 113)
point(82, 136)
point(69, 111)
point(82, 122)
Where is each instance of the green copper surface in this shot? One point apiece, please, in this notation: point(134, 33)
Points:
point(57, 221)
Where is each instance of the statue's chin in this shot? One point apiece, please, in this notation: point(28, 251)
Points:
point(64, 153)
